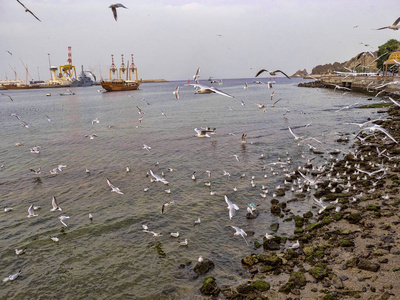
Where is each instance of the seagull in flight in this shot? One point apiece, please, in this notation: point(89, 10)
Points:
point(113, 188)
point(272, 73)
point(203, 89)
point(55, 205)
point(27, 10)
point(158, 178)
point(8, 96)
point(176, 92)
point(201, 133)
point(296, 137)
point(114, 9)
point(30, 212)
point(196, 76)
point(231, 206)
point(394, 26)
point(62, 220)
point(240, 231)
point(146, 147)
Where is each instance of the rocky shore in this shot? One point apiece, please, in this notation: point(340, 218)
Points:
point(349, 246)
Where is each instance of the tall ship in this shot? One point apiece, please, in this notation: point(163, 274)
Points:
point(117, 81)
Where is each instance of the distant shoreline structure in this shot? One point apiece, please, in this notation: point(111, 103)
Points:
point(153, 80)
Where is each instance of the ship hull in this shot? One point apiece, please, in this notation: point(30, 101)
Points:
point(120, 85)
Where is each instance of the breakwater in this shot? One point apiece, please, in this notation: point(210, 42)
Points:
point(371, 85)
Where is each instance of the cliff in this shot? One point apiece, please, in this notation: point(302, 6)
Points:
point(300, 73)
point(363, 62)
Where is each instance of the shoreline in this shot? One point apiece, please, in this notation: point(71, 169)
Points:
point(349, 252)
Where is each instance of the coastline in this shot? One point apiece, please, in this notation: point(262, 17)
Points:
point(347, 253)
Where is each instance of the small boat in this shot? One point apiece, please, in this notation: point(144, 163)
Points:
point(68, 93)
point(120, 85)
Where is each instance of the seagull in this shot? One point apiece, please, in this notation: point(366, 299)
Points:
point(174, 234)
point(7, 209)
point(176, 92)
point(158, 178)
point(9, 52)
point(55, 239)
point(113, 188)
point(272, 73)
point(35, 149)
point(20, 251)
point(184, 243)
point(13, 276)
point(240, 231)
point(269, 236)
point(95, 121)
point(379, 128)
point(55, 205)
point(62, 219)
point(153, 233)
point(30, 212)
point(394, 26)
point(203, 89)
point(201, 133)
point(114, 9)
point(244, 138)
point(90, 217)
point(231, 206)
point(8, 96)
point(296, 137)
point(146, 147)
point(237, 157)
point(165, 205)
point(140, 112)
point(200, 259)
point(245, 86)
point(196, 76)
point(197, 221)
point(37, 171)
point(27, 10)
point(295, 245)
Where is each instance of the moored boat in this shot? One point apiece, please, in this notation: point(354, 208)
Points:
point(120, 85)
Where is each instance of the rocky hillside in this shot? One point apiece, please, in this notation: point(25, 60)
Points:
point(300, 73)
point(358, 62)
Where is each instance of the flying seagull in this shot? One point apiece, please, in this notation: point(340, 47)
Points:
point(203, 89)
point(201, 133)
point(113, 188)
point(27, 10)
point(393, 26)
point(9, 52)
point(272, 73)
point(114, 9)
point(176, 92)
point(8, 96)
point(158, 178)
point(231, 206)
point(240, 231)
point(55, 205)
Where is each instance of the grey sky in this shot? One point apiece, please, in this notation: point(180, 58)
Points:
point(171, 39)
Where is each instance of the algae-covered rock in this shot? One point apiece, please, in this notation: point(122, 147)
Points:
point(353, 218)
point(210, 287)
point(346, 243)
point(373, 207)
point(318, 273)
point(260, 285)
point(250, 260)
point(203, 267)
point(271, 260)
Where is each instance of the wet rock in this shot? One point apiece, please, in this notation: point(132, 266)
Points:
point(275, 209)
point(274, 227)
point(203, 267)
point(353, 218)
point(318, 272)
point(271, 260)
point(270, 245)
point(367, 265)
point(346, 243)
point(253, 215)
point(250, 260)
point(210, 287)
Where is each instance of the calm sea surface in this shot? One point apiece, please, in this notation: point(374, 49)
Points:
point(111, 257)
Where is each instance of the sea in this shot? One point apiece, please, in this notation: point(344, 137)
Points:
point(111, 256)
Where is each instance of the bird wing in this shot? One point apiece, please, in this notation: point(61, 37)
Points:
point(65, 224)
point(21, 4)
point(114, 10)
point(110, 184)
point(382, 28)
point(30, 209)
point(219, 92)
point(282, 73)
point(33, 15)
point(291, 131)
point(396, 22)
point(262, 70)
point(54, 203)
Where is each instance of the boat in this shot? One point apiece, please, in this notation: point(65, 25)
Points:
point(83, 80)
point(120, 84)
point(68, 93)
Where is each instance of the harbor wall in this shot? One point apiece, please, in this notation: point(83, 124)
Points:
point(371, 85)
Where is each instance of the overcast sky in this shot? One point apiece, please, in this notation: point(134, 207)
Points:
point(171, 39)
